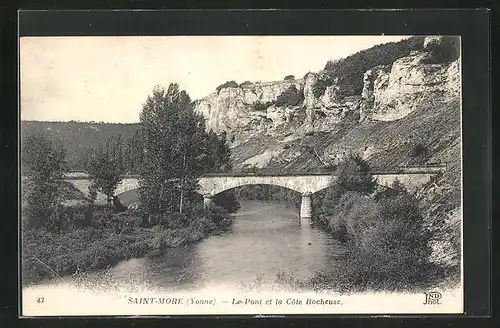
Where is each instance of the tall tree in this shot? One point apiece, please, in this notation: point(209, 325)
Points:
point(173, 137)
point(42, 159)
point(42, 165)
point(105, 171)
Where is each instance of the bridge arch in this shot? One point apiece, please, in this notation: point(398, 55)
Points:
point(216, 184)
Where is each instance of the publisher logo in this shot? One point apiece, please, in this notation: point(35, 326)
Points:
point(432, 298)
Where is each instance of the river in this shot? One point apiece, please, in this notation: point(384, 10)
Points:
point(266, 239)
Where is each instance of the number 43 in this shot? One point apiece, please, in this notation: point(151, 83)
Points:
point(39, 300)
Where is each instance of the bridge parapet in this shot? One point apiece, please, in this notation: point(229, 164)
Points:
point(312, 182)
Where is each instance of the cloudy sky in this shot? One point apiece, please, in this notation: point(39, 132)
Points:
point(109, 78)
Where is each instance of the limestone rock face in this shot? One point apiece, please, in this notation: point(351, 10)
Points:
point(309, 98)
point(266, 132)
point(236, 110)
point(331, 96)
point(409, 85)
point(252, 109)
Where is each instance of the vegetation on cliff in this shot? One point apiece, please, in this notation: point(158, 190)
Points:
point(350, 70)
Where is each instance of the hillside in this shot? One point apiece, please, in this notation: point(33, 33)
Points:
point(79, 138)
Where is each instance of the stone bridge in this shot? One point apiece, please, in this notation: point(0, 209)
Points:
point(306, 184)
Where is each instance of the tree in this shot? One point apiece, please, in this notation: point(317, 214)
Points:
point(218, 154)
point(42, 164)
point(133, 153)
point(354, 174)
point(290, 97)
point(173, 137)
point(42, 160)
point(105, 171)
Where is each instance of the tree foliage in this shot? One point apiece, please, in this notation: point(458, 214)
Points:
point(217, 155)
point(390, 249)
point(261, 106)
point(443, 49)
point(353, 174)
point(290, 97)
point(42, 159)
point(106, 168)
point(386, 235)
point(133, 153)
point(79, 139)
point(43, 164)
point(177, 151)
point(324, 80)
point(246, 84)
point(229, 84)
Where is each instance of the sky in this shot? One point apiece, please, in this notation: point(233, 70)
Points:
point(109, 78)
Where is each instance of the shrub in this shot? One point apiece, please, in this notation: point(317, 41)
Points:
point(170, 220)
point(128, 219)
point(320, 87)
point(352, 214)
point(218, 215)
point(229, 84)
point(260, 106)
point(289, 97)
point(246, 84)
point(388, 249)
point(289, 78)
point(77, 216)
point(46, 254)
point(40, 201)
point(102, 217)
point(354, 174)
point(419, 154)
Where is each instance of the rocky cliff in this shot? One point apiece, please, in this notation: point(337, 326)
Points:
point(273, 124)
point(394, 92)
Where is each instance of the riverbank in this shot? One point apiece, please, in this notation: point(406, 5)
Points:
point(389, 244)
point(105, 238)
point(264, 239)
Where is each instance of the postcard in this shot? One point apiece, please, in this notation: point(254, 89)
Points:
point(241, 175)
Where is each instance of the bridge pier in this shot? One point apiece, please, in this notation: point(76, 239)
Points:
point(207, 200)
point(305, 209)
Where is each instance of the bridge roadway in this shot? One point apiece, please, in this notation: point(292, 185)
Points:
point(307, 183)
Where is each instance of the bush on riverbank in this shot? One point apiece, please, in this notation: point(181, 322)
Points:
point(353, 213)
point(108, 238)
point(387, 240)
point(388, 246)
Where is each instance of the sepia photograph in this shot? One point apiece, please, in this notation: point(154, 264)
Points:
point(240, 175)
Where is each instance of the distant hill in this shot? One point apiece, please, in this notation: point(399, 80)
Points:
point(79, 138)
